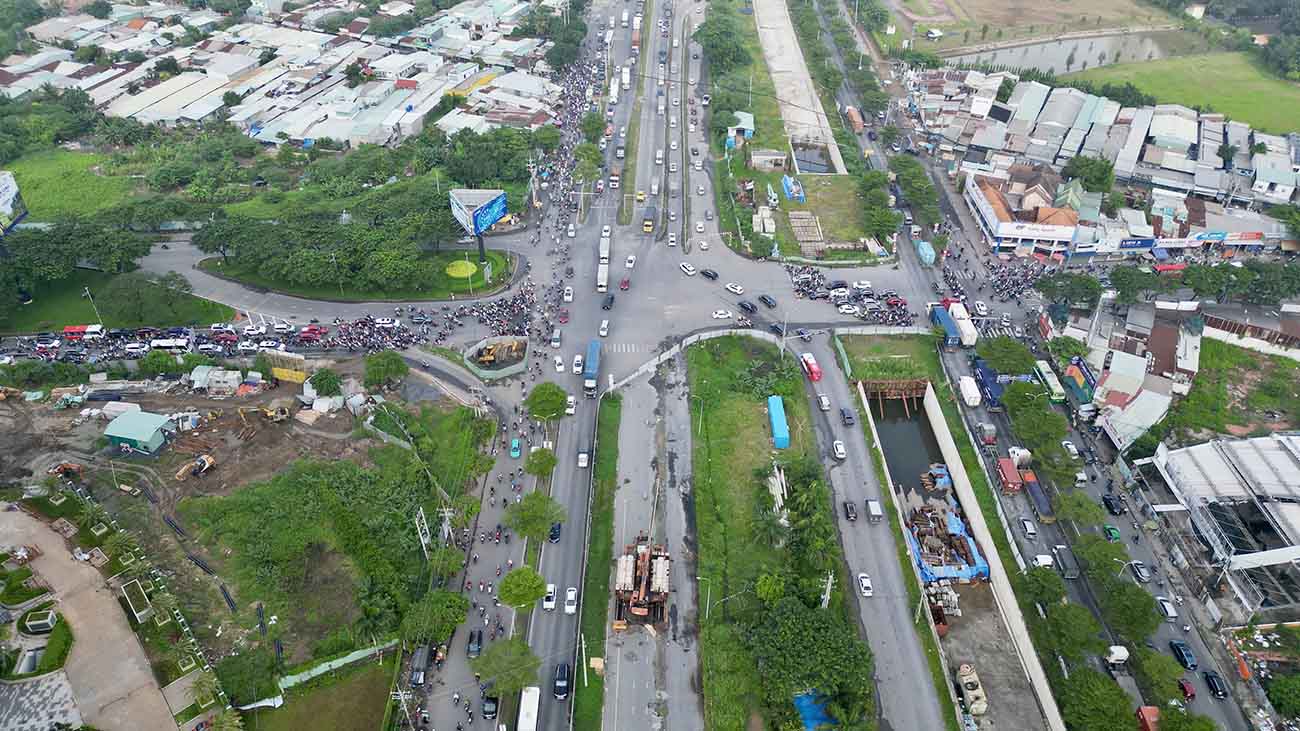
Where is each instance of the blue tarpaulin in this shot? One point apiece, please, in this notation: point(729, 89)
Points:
point(1160, 254)
point(812, 711)
point(793, 189)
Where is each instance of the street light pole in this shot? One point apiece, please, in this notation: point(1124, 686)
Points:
point(93, 306)
point(708, 595)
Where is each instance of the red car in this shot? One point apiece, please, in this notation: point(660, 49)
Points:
point(225, 337)
point(319, 330)
point(564, 316)
point(625, 283)
point(896, 302)
point(1189, 690)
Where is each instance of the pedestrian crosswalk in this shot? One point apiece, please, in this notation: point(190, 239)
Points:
point(628, 348)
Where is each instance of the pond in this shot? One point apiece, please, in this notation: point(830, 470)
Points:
point(1065, 56)
point(910, 448)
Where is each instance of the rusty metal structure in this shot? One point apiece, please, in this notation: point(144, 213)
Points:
point(910, 391)
point(641, 584)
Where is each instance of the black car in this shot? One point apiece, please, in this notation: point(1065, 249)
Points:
point(838, 284)
point(490, 704)
point(850, 510)
point(608, 304)
point(767, 300)
point(554, 536)
point(560, 687)
point(871, 135)
point(1183, 654)
point(709, 274)
point(120, 333)
point(475, 645)
point(748, 306)
point(1113, 504)
point(1215, 683)
point(776, 328)
point(846, 416)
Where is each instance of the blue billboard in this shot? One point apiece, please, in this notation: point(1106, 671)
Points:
point(1137, 243)
point(489, 213)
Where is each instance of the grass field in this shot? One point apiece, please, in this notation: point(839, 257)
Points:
point(1022, 19)
point(57, 184)
point(441, 287)
point(293, 201)
point(588, 700)
point(1229, 82)
point(58, 304)
point(734, 442)
point(354, 700)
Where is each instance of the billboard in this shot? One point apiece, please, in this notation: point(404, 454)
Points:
point(1137, 243)
point(12, 208)
point(477, 210)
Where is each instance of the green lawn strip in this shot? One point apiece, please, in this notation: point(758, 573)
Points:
point(57, 646)
point(442, 287)
point(347, 699)
point(58, 304)
point(588, 699)
point(272, 205)
point(446, 354)
point(58, 184)
point(628, 176)
point(1229, 83)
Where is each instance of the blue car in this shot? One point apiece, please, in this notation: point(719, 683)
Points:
point(514, 448)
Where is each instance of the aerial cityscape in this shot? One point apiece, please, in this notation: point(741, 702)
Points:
point(727, 365)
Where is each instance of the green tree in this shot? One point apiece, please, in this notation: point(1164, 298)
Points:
point(1078, 506)
point(592, 126)
point(888, 134)
point(167, 65)
point(204, 688)
point(385, 368)
point(355, 73)
point(1129, 282)
point(98, 9)
point(1006, 355)
point(1091, 701)
point(1157, 675)
point(521, 587)
point(797, 647)
point(534, 514)
point(540, 463)
point(1130, 611)
point(228, 720)
point(158, 362)
point(1284, 693)
point(1065, 348)
point(723, 43)
point(770, 587)
point(327, 382)
point(1075, 289)
point(589, 160)
point(231, 99)
point(433, 618)
point(1042, 586)
point(546, 401)
point(1072, 632)
point(445, 561)
point(1226, 152)
point(119, 544)
point(547, 138)
point(1173, 718)
point(509, 665)
point(1102, 559)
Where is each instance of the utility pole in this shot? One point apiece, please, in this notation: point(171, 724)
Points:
point(93, 306)
point(826, 593)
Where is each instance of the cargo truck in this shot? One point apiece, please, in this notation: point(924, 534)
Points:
point(613, 91)
point(970, 391)
point(604, 249)
point(965, 328)
point(648, 221)
point(941, 319)
point(636, 22)
point(614, 178)
point(591, 368)
point(636, 44)
point(855, 119)
point(1038, 497)
point(602, 278)
point(627, 78)
point(1065, 561)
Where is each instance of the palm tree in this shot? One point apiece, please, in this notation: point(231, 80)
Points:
point(228, 720)
point(119, 544)
point(165, 603)
point(1226, 152)
point(204, 688)
point(92, 514)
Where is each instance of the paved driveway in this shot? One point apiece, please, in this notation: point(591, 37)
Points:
point(110, 675)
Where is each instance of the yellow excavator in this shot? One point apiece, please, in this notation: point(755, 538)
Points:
point(200, 465)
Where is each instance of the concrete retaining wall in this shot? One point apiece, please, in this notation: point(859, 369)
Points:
point(492, 375)
point(1255, 344)
point(1000, 582)
point(289, 681)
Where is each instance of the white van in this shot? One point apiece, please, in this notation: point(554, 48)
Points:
point(659, 157)
point(1167, 609)
point(654, 188)
point(555, 338)
point(874, 512)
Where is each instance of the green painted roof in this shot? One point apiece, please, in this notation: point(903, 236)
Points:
point(136, 425)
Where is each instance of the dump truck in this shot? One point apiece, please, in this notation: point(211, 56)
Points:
point(855, 119)
point(591, 367)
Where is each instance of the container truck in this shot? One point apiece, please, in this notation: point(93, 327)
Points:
point(965, 328)
point(1037, 497)
point(636, 43)
point(591, 368)
point(613, 91)
point(625, 17)
point(855, 119)
point(602, 278)
point(970, 391)
point(627, 78)
point(604, 249)
point(1065, 561)
point(940, 318)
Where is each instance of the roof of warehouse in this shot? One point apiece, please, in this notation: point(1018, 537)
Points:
point(137, 425)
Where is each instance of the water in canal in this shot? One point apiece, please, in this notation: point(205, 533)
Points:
point(1065, 56)
point(910, 448)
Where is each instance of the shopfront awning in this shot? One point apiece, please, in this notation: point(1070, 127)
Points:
point(1160, 254)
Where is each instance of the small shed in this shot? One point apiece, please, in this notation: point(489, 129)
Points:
point(139, 430)
point(776, 417)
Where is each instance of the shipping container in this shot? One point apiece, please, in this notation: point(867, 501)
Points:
point(941, 319)
point(1038, 497)
point(776, 417)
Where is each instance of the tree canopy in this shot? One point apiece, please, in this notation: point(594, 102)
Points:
point(534, 515)
point(546, 401)
point(327, 382)
point(1006, 355)
point(1094, 702)
point(1072, 632)
point(509, 665)
point(798, 648)
point(385, 368)
point(1075, 289)
point(434, 617)
point(540, 463)
point(1284, 694)
point(521, 588)
point(1096, 174)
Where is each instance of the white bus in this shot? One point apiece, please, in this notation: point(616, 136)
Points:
point(171, 345)
point(529, 698)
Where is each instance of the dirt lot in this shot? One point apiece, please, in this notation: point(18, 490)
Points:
point(979, 637)
point(964, 21)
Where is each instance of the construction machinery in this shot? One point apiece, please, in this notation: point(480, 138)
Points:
point(641, 583)
point(69, 470)
point(196, 468)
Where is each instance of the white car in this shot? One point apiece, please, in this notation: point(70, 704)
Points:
point(687, 269)
point(559, 364)
point(584, 460)
point(283, 327)
point(571, 600)
point(269, 345)
point(1069, 447)
point(699, 190)
point(622, 133)
point(677, 102)
point(631, 260)
point(254, 330)
point(734, 288)
point(141, 348)
point(209, 348)
point(571, 406)
point(838, 448)
point(672, 145)
point(568, 294)
point(691, 80)
point(387, 323)
point(672, 166)
point(548, 601)
point(672, 239)
point(981, 309)
point(848, 309)
point(573, 231)
point(577, 365)
point(704, 245)
point(697, 167)
point(245, 346)
point(864, 585)
point(861, 284)
point(604, 232)
point(722, 314)
point(823, 402)
point(220, 327)
point(604, 328)
point(699, 225)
